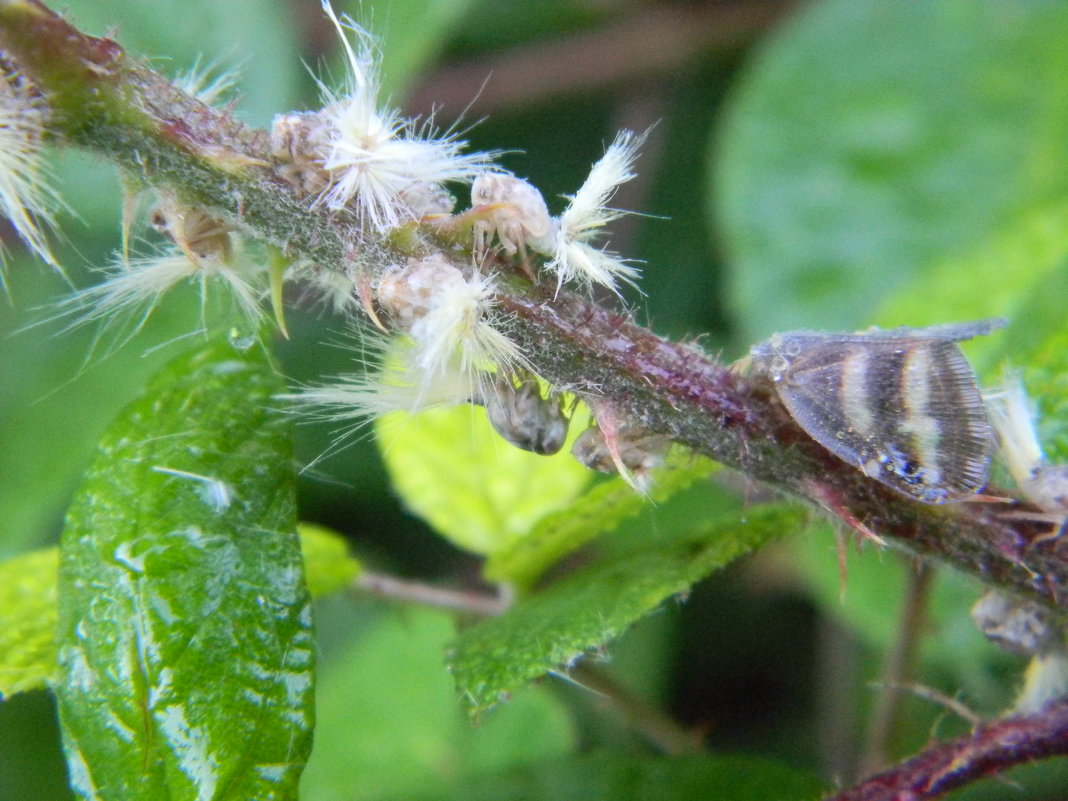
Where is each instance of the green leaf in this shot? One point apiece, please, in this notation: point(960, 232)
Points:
point(388, 725)
point(184, 637)
point(549, 631)
point(28, 604)
point(1036, 344)
point(994, 279)
point(454, 471)
point(628, 777)
point(1046, 379)
point(27, 621)
point(597, 512)
point(327, 562)
point(872, 140)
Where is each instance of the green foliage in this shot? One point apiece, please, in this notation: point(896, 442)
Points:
point(254, 38)
point(412, 32)
point(327, 563)
point(550, 631)
point(412, 735)
point(1036, 345)
point(184, 637)
point(624, 777)
point(27, 620)
point(872, 140)
point(869, 599)
point(599, 511)
point(28, 604)
point(455, 472)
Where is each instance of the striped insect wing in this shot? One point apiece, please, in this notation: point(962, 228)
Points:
point(904, 409)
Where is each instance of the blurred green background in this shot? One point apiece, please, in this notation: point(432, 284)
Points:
point(831, 164)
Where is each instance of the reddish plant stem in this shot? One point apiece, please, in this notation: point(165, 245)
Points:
point(672, 388)
point(990, 749)
point(120, 109)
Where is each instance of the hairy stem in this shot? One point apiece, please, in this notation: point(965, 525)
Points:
point(104, 101)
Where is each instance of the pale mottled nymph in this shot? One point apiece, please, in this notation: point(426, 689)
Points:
point(902, 406)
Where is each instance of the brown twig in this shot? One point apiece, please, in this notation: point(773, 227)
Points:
point(660, 730)
point(988, 750)
point(898, 664)
point(418, 592)
point(950, 704)
point(658, 40)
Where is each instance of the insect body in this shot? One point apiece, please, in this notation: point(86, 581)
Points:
point(523, 417)
point(901, 405)
point(514, 211)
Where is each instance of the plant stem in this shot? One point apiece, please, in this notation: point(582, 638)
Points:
point(895, 671)
point(988, 750)
point(661, 730)
point(417, 592)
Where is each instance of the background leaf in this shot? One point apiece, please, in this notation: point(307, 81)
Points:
point(327, 563)
point(453, 470)
point(184, 622)
point(411, 35)
point(411, 732)
point(626, 777)
point(27, 621)
point(596, 512)
point(55, 400)
point(871, 140)
point(591, 606)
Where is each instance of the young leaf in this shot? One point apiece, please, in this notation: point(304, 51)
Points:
point(27, 620)
point(551, 630)
point(184, 622)
point(597, 512)
point(475, 489)
point(327, 562)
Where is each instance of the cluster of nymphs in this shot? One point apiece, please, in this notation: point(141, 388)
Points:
point(443, 340)
point(385, 177)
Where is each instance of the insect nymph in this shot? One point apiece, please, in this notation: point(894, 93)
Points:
point(902, 405)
